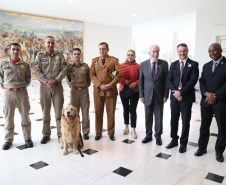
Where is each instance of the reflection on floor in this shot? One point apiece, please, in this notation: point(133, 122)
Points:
point(123, 161)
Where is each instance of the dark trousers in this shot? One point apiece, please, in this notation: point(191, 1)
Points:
point(130, 106)
point(207, 116)
point(184, 108)
point(157, 109)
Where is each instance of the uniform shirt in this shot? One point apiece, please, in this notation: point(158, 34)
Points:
point(14, 76)
point(78, 76)
point(52, 67)
point(102, 74)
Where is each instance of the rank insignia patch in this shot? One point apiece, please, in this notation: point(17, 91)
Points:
point(57, 57)
point(22, 67)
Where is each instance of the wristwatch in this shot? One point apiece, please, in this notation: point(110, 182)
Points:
point(56, 82)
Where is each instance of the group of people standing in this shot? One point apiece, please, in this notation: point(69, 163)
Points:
point(149, 81)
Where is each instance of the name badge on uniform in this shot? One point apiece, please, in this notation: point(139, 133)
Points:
point(21, 67)
point(44, 59)
point(83, 67)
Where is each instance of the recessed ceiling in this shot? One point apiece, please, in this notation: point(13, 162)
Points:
point(116, 12)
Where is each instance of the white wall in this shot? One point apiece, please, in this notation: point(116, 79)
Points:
point(208, 16)
point(118, 38)
point(167, 33)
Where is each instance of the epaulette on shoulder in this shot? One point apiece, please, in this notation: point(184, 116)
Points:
point(95, 58)
point(85, 64)
point(114, 57)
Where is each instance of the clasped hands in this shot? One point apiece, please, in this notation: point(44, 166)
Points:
point(177, 95)
point(210, 98)
point(51, 84)
point(131, 85)
point(104, 87)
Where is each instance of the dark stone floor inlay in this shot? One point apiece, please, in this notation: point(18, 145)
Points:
point(163, 156)
point(1, 117)
point(39, 165)
point(39, 119)
point(193, 144)
point(128, 141)
point(31, 113)
point(199, 120)
point(122, 171)
point(15, 133)
point(104, 130)
point(52, 127)
point(213, 134)
point(89, 151)
point(2, 125)
point(215, 177)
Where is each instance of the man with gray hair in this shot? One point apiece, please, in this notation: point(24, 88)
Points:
point(153, 92)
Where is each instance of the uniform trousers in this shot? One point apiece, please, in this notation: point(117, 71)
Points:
point(99, 102)
point(12, 100)
point(80, 99)
point(207, 116)
point(56, 97)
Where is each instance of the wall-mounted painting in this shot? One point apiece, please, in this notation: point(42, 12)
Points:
point(30, 32)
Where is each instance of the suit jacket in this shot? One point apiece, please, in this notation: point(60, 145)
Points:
point(148, 86)
point(214, 82)
point(189, 79)
point(99, 74)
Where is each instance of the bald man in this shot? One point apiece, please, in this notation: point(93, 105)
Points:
point(153, 92)
point(213, 91)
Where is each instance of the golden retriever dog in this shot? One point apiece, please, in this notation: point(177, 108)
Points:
point(70, 129)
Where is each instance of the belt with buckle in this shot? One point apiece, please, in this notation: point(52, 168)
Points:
point(14, 89)
point(78, 88)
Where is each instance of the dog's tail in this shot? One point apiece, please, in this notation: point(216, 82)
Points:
point(80, 145)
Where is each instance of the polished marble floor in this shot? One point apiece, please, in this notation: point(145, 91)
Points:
point(123, 161)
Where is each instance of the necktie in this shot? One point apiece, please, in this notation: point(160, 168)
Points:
point(214, 66)
point(181, 72)
point(153, 70)
point(103, 61)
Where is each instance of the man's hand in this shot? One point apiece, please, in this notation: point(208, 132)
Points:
point(54, 88)
point(165, 100)
point(132, 85)
point(180, 98)
point(127, 82)
point(210, 98)
point(50, 84)
point(142, 100)
point(104, 87)
point(176, 93)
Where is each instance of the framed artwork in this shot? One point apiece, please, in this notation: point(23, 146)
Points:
point(30, 32)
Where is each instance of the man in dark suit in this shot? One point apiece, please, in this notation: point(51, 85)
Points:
point(213, 91)
point(182, 77)
point(153, 92)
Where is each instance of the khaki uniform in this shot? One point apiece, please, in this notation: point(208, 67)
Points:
point(47, 68)
point(99, 74)
point(14, 79)
point(78, 79)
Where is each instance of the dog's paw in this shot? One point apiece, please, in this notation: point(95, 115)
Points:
point(65, 152)
point(76, 151)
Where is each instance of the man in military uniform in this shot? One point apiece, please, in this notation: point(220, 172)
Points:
point(79, 80)
point(105, 72)
point(15, 76)
point(50, 68)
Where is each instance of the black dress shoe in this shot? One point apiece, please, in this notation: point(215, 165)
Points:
point(86, 136)
point(28, 143)
point(6, 145)
point(112, 138)
point(219, 157)
point(146, 139)
point(159, 141)
point(97, 137)
point(200, 152)
point(45, 139)
point(172, 144)
point(183, 148)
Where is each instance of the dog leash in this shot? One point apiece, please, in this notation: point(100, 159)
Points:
point(80, 145)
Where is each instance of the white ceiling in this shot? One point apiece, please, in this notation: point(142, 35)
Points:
point(110, 12)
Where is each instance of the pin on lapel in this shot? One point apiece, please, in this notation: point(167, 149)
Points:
point(158, 66)
point(221, 62)
point(189, 65)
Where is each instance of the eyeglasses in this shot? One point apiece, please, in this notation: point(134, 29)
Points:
point(130, 55)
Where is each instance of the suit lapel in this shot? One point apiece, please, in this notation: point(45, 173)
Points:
point(186, 66)
point(218, 66)
point(100, 62)
point(178, 68)
point(149, 68)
